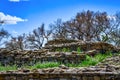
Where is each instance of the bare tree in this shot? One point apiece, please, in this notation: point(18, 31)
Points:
point(70, 29)
point(16, 43)
point(58, 30)
point(91, 25)
point(36, 39)
point(21, 41)
point(47, 34)
point(88, 26)
point(115, 37)
point(114, 31)
point(3, 34)
point(12, 44)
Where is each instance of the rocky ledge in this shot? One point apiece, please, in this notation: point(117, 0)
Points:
point(101, 47)
point(19, 58)
point(109, 69)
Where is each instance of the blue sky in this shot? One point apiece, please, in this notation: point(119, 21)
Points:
point(26, 15)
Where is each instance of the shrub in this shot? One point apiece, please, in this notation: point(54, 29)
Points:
point(78, 50)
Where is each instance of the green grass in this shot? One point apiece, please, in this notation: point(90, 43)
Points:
point(92, 61)
point(7, 68)
point(44, 65)
point(78, 50)
point(57, 50)
point(67, 50)
point(89, 61)
point(62, 50)
point(36, 66)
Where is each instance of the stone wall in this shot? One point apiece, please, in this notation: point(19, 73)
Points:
point(20, 58)
point(84, 46)
point(38, 76)
point(109, 69)
point(60, 41)
point(63, 73)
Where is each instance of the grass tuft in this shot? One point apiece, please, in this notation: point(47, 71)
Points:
point(45, 65)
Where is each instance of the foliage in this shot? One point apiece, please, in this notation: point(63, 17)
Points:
point(92, 61)
point(78, 50)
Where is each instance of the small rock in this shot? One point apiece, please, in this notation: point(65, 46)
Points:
point(63, 67)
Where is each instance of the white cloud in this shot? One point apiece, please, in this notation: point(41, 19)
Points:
point(8, 19)
point(14, 32)
point(17, 0)
point(111, 17)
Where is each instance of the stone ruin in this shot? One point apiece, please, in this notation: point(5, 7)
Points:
point(109, 69)
point(48, 54)
point(100, 47)
point(20, 58)
point(102, 71)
